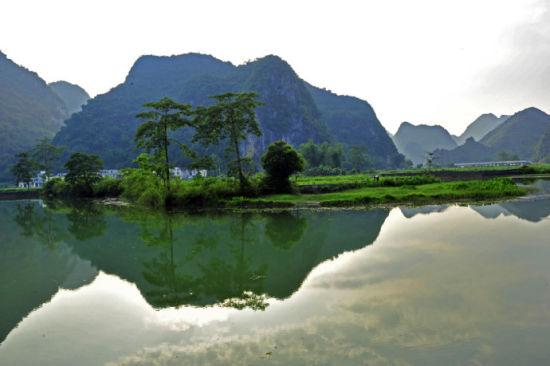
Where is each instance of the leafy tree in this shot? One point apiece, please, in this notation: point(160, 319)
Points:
point(45, 154)
point(312, 154)
point(233, 117)
point(83, 172)
point(153, 135)
point(281, 161)
point(24, 168)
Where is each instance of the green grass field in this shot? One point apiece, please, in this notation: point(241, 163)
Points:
point(424, 193)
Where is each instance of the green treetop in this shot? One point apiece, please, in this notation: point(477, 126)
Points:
point(233, 117)
point(153, 135)
point(45, 154)
point(24, 168)
point(83, 172)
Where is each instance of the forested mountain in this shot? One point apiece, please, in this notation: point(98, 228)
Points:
point(416, 141)
point(480, 127)
point(72, 95)
point(293, 111)
point(470, 151)
point(520, 133)
point(542, 150)
point(521, 136)
point(29, 110)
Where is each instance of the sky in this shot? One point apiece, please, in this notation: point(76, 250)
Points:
point(424, 61)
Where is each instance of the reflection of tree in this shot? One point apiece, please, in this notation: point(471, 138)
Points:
point(236, 281)
point(285, 229)
point(172, 288)
point(39, 223)
point(228, 281)
point(86, 220)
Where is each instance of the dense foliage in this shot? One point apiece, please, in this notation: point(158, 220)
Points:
point(280, 162)
point(232, 118)
point(83, 173)
point(24, 168)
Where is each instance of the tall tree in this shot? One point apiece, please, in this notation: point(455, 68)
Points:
point(24, 168)
point(233, 117)
point(83, 172)
point(45, 154)
point(154, 134)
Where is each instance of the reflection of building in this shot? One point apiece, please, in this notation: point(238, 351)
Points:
point(111, 173)
point(494, 163)
point(188, 174)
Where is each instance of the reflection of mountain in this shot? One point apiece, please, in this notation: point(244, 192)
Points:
point(410, 212)
point(205, 259)
point(33, 264)
point(530, 210)
point(173, 259)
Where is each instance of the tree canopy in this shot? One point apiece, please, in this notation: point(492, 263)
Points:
point(83, 172)
point(233, 117)
point(281, 161)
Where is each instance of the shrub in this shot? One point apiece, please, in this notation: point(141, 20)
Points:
point(280, 161)
point(56, 187)
point(108, 187)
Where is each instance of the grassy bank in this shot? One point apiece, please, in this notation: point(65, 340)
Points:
point(409, 194)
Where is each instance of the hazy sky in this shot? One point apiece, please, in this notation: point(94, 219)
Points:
point(423, 61)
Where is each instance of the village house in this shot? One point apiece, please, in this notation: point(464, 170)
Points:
point(188, 173)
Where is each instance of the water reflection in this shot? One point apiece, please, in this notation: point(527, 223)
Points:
point(440, 285)
point(237, 260)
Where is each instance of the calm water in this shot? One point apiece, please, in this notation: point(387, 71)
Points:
point(435, 285)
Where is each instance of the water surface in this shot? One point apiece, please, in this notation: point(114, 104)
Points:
point(435, 285)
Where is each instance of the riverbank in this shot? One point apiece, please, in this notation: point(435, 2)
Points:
point(339, 191)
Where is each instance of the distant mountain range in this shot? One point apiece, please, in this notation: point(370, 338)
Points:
point(480, 127)
point(415, 141)
point(521, 136)
point(294, 110)
point(29, 109)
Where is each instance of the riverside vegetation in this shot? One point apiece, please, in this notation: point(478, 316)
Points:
point(228, 122)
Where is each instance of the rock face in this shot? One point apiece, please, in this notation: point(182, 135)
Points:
point(29, 110)
point(480, 127)
point(293, 110)
point(521, 136)
point(72, 95)
point(416, 141)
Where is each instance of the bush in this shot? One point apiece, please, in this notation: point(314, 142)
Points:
point(56, 187)
point(108, 187)
point(323, 170)
point(280, 161)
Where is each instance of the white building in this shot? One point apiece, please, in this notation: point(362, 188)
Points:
point(111, 173)
point(188, 174)
point(35, 182)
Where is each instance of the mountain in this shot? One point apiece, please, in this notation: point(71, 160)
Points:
point(519, 134)
point(29, 110)
point(293, 110)
point(480, 127)
point(542, 150)
point(470, 151)
point(415, 141)
point(72, 95)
